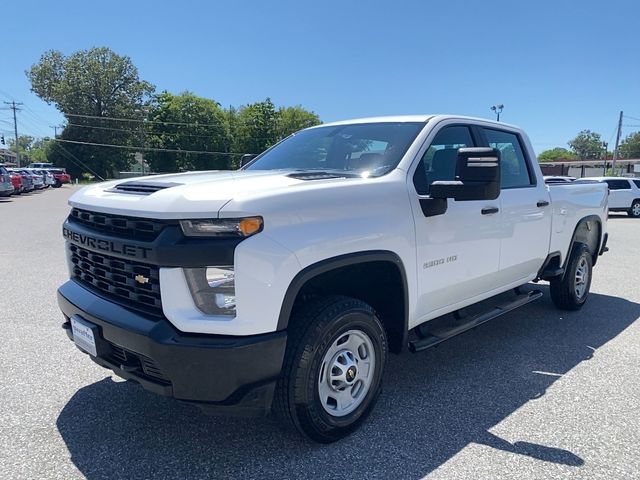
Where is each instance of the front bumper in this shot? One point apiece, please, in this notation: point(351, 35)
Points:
point(219, 373)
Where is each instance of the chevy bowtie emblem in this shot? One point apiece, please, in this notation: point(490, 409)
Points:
point(141, 279)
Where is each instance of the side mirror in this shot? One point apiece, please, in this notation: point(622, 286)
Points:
point(477, 176)
point(246, 158)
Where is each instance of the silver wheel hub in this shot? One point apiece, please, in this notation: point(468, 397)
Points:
point(582, 277)
point(636, 209)
point(346, 373)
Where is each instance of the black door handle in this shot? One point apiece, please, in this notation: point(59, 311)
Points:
point(490, 210)
point(542, 203)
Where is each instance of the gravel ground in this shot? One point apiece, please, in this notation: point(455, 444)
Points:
point(538, 393)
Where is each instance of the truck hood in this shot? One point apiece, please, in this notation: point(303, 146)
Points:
point(185, 195)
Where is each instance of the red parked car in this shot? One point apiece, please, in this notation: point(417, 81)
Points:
point(16, 181)
point(60, 175)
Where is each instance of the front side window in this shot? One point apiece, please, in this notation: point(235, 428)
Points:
point(618, 184)
point(637, 182)
point(366, 149)
point(514, 172)
point(439, 161)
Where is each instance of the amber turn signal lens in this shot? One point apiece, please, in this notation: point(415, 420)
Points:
point(250, 225)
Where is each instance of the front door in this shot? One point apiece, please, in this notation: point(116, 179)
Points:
point(458, 252)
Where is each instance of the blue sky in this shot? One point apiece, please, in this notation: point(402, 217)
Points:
point(557, 66)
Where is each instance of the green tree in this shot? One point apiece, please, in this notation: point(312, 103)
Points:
point(587, 144)
point(90, 87)
point(191, 123)
point(630, 146)
point(39, 150)
point(25, 143)
point(256, 127)
point(556, 154)
point(292, 119)
point(32, 150)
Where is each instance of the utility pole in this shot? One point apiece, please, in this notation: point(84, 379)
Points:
point(55, 129)
point(14, 106)
point(615, 151)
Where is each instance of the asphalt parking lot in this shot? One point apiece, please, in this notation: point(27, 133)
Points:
point(538, 393)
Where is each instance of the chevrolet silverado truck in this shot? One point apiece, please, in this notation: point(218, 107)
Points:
point(283, 285)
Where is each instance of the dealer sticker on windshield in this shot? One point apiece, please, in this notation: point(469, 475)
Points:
point(83, 335)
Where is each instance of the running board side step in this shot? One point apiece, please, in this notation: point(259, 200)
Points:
point(433, 339)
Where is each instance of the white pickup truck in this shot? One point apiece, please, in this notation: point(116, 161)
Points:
point(287, 282)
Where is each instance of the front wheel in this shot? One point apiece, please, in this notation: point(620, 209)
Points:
point(570, 291)
point(634, 211)
point(332, 373)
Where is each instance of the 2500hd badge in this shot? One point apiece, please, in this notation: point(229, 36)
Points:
point(105, 245)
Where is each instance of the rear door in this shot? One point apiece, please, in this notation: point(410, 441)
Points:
point(526, 210)
point(620, 193)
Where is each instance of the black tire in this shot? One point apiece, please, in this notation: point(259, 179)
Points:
point(313, 330)
point(634, 211)
point(565, 289)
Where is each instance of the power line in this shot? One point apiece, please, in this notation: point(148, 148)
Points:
point(133, 131)
point(140, 120)
point(76, 160)
point(148, 149)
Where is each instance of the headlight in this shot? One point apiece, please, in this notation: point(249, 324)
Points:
point(222, 227)
point(213, 289)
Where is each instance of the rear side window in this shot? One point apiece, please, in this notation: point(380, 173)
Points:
point(637, 182)
point(513, 165)
point(618, 184)
point(439, 161)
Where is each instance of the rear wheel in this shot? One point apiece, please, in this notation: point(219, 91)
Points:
point(570, 291)
point(333, 368)
point(634, 211)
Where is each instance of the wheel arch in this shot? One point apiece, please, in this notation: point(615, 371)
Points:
point(588, 231)
point(335, 275)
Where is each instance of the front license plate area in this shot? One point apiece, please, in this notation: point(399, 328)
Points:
point(84, 335)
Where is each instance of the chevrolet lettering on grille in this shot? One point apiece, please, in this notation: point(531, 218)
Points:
point(129, 250)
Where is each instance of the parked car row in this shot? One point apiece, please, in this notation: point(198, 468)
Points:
point(624, 193)
point(17, 180)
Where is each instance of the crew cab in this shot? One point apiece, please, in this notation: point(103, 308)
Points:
point(286, 283)
point(624, 193)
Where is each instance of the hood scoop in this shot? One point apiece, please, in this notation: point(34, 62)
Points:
point(315, 175)
point(142, 188)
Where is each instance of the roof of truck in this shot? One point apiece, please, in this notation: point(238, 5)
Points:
point(413, 118)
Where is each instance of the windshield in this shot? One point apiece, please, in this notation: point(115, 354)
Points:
point(367, 149)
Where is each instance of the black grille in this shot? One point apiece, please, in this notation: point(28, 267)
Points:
point(127, 227)
point(116, 279)
point(140, 364)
